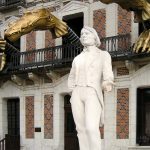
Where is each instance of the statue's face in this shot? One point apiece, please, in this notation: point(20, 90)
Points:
point(87, 38)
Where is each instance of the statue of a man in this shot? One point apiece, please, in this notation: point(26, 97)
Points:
point(91, 73)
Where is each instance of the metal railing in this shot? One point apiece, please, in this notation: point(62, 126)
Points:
point(12, 142)
point(143, 140)
point(60, 56)
point(2, 144)
point(8, 2)
point(117, 46)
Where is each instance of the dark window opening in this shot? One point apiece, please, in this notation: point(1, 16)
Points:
point(17, 44)
point(13, 116)
point(144, 26)
point(75, 22)
point(143, 116)
point(12, 56)
point(141, 28)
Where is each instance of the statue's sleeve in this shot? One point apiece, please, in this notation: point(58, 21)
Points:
point(71, 78)
point(108, 76)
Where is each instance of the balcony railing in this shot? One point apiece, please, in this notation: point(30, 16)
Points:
point(143, 140)
point(7, 4)
point(2, 144)
point(10, 142)
point(117, 46)
point(61, 56)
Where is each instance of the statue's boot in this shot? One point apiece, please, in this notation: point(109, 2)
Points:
point(40, 19)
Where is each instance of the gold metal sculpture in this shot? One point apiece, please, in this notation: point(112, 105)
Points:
point(141, 10)
point(3, 55)
point(40, 19)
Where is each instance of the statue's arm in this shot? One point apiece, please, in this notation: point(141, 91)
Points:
point(108, 76)
point(71, 78)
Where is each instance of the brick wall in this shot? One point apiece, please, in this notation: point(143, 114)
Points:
point(29, 116)
point(124, 27)
point(122, 127)
point(31, 41)
point(49, 42)
point(124, 21)
point(30, 45)
point(48, 116)
point(99, 23)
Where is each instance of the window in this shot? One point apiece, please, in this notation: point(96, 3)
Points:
point(143, 116)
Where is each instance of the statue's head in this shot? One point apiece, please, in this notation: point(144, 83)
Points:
point(89, 37)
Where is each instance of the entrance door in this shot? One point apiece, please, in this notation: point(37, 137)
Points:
point(71, 140)
point(143, 116)
point(13, 136)
point(13, 117)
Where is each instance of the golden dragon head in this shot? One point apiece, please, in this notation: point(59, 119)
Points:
point(40, 19)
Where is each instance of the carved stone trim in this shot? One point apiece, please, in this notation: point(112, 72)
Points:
point(34, 78)
point(130, 65)
point(17, 80)
point(53, 75)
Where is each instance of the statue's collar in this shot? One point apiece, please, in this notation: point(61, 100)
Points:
point(95, 49)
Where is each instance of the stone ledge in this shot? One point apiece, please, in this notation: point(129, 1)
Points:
point(139, 148)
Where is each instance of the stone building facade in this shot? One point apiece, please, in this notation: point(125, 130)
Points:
point(42, 121)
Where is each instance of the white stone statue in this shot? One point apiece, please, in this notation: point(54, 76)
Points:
point(91, 73)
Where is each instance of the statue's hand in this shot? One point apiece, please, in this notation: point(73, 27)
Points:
point(2, 44)
point(143, 42)
point(107, 86)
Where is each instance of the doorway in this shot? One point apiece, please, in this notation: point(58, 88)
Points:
point(143, 116)
point(75, 22)
point(12, 138)
point(13, 116)
point(71, 140)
